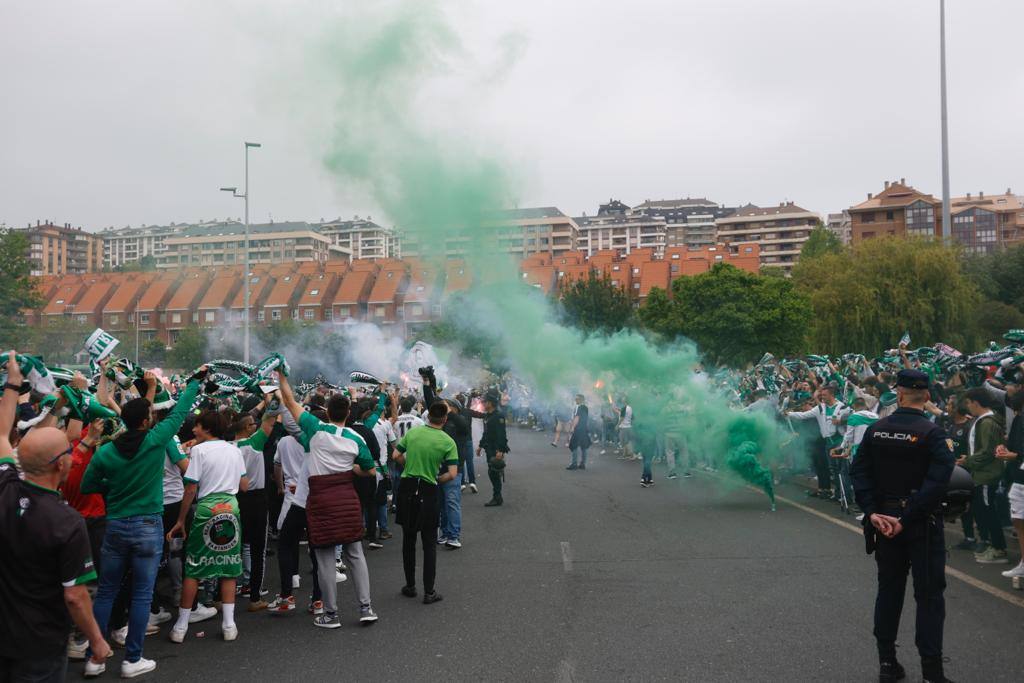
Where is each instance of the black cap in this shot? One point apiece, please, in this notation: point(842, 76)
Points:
point(912, 379)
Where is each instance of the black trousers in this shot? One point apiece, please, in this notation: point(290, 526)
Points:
point(920, 550)
point(252, 509)
point(418, 515)
point(496, 476)
point(366, 489)
point(818, 450)
point(288, 539)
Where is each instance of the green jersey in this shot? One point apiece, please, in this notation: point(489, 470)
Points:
point(425, 449)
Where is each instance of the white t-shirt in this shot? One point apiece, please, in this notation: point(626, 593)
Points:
point(291, 456)
point(385, 434)
point(405, 422)
point(255, 469)
point(174, 487)
point(626, 419)
point(216, 466)
point(331, 448)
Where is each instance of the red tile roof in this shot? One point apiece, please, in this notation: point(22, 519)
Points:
point(284, 290)
point(258, 286)
point(188, 292)
point(65, 295)
point(458, 277)
point(318, 288)
point(355, 287)
point(155, 294)
point(390, 282)
point(219, 293)
point(96, 291)
point(653, 274)
point(125, 296)
point(423, 281)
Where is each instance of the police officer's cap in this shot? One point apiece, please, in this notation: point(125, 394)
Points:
point(912, 379)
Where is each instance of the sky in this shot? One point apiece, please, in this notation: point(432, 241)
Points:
point(132, 113)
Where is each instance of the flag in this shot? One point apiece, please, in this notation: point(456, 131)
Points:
point(100, 345)
point(905, 339)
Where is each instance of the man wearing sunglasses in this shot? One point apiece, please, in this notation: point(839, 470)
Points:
point(47, 560)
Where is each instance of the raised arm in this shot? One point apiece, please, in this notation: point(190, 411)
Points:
point(9, 404)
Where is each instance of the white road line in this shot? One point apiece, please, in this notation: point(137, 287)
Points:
point(566, 556)
point(951, 571)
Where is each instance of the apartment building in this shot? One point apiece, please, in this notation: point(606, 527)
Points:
point(899, 210)
point(840, 225)
point(122, 246)
point(518, 232)
point(688, 222)
point(983, 223)
point(778, 231)
point(223, 244)
point(619, 228)
point(62, 249)
point(362, 238)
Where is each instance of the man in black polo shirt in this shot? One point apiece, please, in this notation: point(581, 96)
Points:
point(47, 560)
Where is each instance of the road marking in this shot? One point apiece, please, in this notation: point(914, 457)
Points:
point(566, 556)
point(951, 571)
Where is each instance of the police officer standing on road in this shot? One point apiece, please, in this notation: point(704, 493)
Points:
point(494, 444)
point(900, 476)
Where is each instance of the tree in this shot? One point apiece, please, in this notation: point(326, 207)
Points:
point(821, 241)
point(153, 353)
point(994, 318)
point(999, 275)
point(189, 350)
point(17, 289)
point(866, 297)
point(595, 305)
point(732, 315)
point(656, 312)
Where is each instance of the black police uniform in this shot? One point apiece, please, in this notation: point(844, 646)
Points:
point(493, 441)
point(902, 469)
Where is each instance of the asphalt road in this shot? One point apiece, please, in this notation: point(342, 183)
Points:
point(586, 576)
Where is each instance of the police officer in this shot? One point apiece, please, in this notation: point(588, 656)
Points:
point(494, 444)
point(900, 476)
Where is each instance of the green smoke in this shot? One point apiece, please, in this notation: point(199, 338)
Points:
point(437, 181)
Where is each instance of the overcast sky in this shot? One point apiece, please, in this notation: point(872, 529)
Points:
point(118, 113)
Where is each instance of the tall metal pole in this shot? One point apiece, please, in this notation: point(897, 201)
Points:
point(246, 302)
point(947, 228)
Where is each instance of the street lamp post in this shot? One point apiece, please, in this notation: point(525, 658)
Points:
point(245, 195)
point(947, 228)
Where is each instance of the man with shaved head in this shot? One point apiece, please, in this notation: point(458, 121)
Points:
point(47, 559)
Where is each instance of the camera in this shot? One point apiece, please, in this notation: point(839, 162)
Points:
point(427, 371)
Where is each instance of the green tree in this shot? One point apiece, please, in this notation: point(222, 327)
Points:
point(58, 339)
point(17, 289)
point(189, 351)
point(732, 315)
point(595, 305)
point(821, 241)
point(866, 297)
point(994, 318)
point(999, 275)
point(656, 313)
point(153, 353)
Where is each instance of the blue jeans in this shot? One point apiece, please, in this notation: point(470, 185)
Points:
point(134, 543)
point(648, 457)
point(466, 455)
point(451, 508)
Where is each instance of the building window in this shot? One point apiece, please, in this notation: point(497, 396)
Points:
point(261, 316)
point(327, 314)
point(210, 316)
point(380, 311)
point(314, 292)
point(275, 314)
point(113, 320)
point(417, 309)
point(920, 218)
point(889, 215)
point(175, 318)
point(144, 318)
point(344, 311)
point(195, 316)
point(308, 314)
point(868, 217)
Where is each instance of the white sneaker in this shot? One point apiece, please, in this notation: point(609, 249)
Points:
point(76, 650)
point(133, 669)
point(339, 577)
point(1010, 573)
point(160, 617)
point(120, 635)
point(177, 635)
point(92, 670)
point(442, 540)
point(230, 632)
point(473, 488)
point(202, 613)
point(295, 581)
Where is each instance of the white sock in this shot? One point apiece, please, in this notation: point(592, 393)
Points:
point(228, 612)
point(182, 623)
